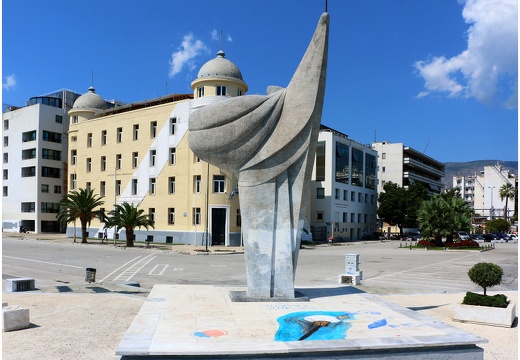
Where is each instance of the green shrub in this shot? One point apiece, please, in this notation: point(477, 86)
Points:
point(486, 275)
point(499, 300)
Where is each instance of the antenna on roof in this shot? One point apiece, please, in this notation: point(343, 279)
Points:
point(220, 39)
point(92, 79)
point(326, 6)
point(166, 87)
point(426, 147)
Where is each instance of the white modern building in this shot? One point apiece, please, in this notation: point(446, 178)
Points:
point(344, 188)
point(404, 166)
point(35, 162)
point(481, 191)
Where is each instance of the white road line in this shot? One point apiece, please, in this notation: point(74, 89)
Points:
point(178, 269)
point(132, 270)
point(152, 272)
point(120, 267)
point(43, 262)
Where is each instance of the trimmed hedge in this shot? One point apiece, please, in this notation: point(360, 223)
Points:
point(499, 300)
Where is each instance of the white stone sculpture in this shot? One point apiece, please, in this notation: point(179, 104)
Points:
point(269, 143)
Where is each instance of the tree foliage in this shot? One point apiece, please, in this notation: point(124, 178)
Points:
point(128, 216)
point(80, 204)
point(486, 275)
point(498, 225)
point(507, 191)
point(440, 217)
point(399, 206)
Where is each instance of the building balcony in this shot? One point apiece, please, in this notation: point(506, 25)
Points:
point(422, 167)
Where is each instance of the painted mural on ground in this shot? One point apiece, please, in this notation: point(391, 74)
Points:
point(319, 325)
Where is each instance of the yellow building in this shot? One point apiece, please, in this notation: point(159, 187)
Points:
point(139, 153)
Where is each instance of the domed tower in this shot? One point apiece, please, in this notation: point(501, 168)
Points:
point(219, 77)
point(87, 106)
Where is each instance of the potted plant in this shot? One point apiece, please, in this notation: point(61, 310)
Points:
point(484, 309)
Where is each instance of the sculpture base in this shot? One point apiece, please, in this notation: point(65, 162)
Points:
point(201, 322)
point(241, 296)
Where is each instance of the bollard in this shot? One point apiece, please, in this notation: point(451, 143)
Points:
point(90, 275)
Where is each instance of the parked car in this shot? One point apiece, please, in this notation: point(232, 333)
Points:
point(464, 235)
point(476, 237)
point(488, 237)
point(502, 236)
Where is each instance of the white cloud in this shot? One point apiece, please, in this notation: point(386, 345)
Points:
point(187, 51)
point(214, 35)
point(488, 69)
point(10, 82)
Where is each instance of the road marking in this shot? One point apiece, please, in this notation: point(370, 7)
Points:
point(120, 267)
point(160, 272)
point(133, 269)
point(178, 269)
point(218, 265)
point(43, 262)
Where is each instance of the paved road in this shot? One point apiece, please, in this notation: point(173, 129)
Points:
point(387, 269)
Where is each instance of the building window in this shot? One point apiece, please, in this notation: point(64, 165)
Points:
point(320, 193)
point(6, 124)
point(103, 137)
point(171, 216)
point(135, 160)
point(88, 186)
point(151, 214)
point(59, 119)
point(383, 156)
point(73, 138)
point(103, 163)
point(29, 136)
point(219, 183)
point(134, 187)
point(73, 181)
point(51, 136)
point(366, 218)
point(239, 92)
point(352, 218)
point(6, 191)
point(119, 161)
point(45, 188)
point(319, 216)
point(196, 216)
point(357, 167)
point(51, 154)
point(57, 189)
point(171, 185)
point(29, 171)
point(119, 135)
point(75, 119)
point(89, 140)
point(239, 218)
point(50, 172)
point(370, 171)
point(136, 132)
point(359, 218)
point(153, 129)
point(6, 140)
point(27, 207)
point(366, 198)
point(221, 90)
point(6, 158)
point(73, 157)
point(200, 92)
point(352, 196)
point(196, 183)
point(152, 157)
point(102, 189)
point(345, 217)
point(197, 159)
point(118, 187)
point(152, 186)
point(173, 124)
point(336, 194)
point(360, 197)
point(384, 169)
point(30, 154)
point(6, 174)
point(320, 161)
point(89, 164)
point(345, 195)
point(173, 155)
point(342, 163)
point(50, 208)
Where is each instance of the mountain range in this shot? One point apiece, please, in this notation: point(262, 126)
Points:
point(471, 167)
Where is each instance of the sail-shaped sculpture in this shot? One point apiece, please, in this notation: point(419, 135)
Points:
point(269, 143)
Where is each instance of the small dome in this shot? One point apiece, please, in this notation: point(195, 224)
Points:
point(220, 67)
point(90, 100)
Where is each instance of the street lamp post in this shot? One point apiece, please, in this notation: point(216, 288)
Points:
point(491, 209)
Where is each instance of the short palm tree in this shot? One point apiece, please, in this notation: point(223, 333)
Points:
point(507, 191)
point(128, 216)
point(80, 204)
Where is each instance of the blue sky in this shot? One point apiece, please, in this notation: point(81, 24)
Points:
point(437, 75)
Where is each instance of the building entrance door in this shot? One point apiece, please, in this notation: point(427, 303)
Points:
point(218, 226)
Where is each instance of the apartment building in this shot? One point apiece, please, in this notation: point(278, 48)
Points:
point(35, 162)
point(481, 191)
point(344, 188)
point(404, 166)
point(139, 153)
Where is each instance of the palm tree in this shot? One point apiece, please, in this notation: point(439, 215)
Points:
point(80, 204)
point(507, 191)
point(128, 216)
